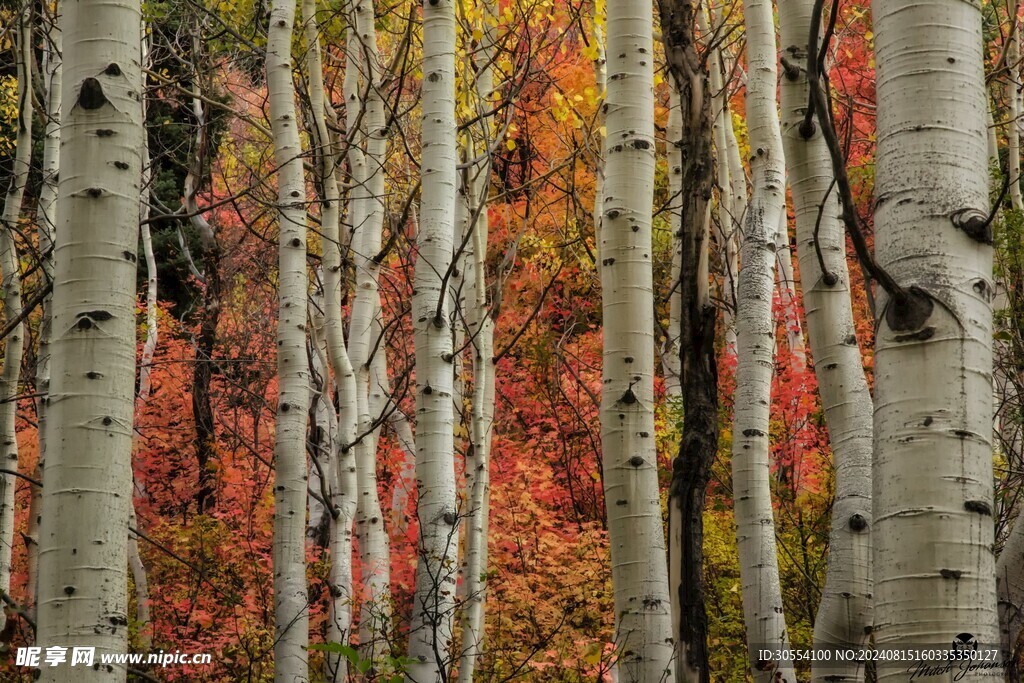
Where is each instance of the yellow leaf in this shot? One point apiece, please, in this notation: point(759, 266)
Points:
point(510, 144)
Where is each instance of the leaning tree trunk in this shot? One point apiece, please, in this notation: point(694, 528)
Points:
point(83, 539)
point(341, 469)
point(11, 288)
point(690, 158)
point(430, 631)
point(844, 613)
point(365, 331)
point(933, 556)
point(291, 609)
point(755, 332)
point(639, 569)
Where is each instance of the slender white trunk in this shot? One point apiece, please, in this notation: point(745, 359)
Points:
point(430, 631)
point(11, 286)
point(738, 206)
point(1013, 114)
point(86, 504)
point(341, 468)
point(728, 232)
point(601, 84)
point(291, 611)
point(844, 613)
point(365, 119)
point(480, 329)
point(755, 525)
point(323, 439)
point(787, 293)
point(46, 219)
point(365, 331)
point(933, 559)
point(670, 359)
point(135, 563)
point(638, 555)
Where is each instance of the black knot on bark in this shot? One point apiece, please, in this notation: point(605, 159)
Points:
point(112, 70)
point(908, 310)
point(979, 506)
point(636, 461)
point(90, 95)
point(449, 518)
point(858, 523)
point(807, 129)
point(976, 224)
point(628, 398)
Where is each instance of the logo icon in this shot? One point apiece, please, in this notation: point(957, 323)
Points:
point(965, 642)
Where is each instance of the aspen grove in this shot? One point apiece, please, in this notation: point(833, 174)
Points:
point(627, 341)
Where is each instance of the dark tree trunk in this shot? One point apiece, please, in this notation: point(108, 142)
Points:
point(691, 469)
point(202, 402)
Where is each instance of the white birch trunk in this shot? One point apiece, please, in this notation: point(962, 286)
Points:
point(755, 328)
point(342, 466)
point(291, 626)
point(135, 563)
point(739, 207)
point(728, 231)
point(933, 557)
point(480, 329)
point(844, 613)
point(11, 286)
point(364, 332)
point(430, 631)
point(601, 85)
point(670, 360)
point(46, 218)
point(86, 502)
point(787, 293)
point(638, 554)
point(1013, 114)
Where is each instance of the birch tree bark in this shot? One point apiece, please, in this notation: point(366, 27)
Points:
point(1013, 114)
point(87, 498)
point(844, 614)
point(135, 563)
point(787, 293)
point(639, 569)
point(46, 217)
point(755, 328)
point(738, 206)
point(11, 273)
point(480, 330)
point(430, 631)
point(933, 536)
point(365, 330)
point(291, 627)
